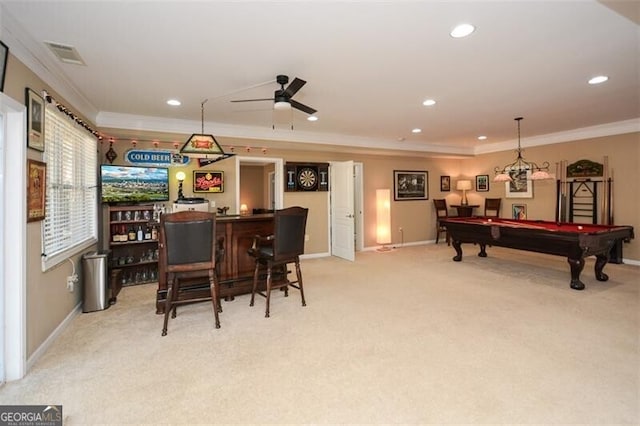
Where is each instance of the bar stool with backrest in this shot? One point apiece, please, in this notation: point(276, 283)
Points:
point(283, 247)
point(492, 207)
point(442, 212)
point(188, 251)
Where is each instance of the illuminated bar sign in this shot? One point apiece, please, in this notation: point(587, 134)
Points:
point(155, 157)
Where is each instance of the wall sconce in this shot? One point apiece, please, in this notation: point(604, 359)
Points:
point(463, 185)
point(383, 218)
point(180, 176)
point(244, 210)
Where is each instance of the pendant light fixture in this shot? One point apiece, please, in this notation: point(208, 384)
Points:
point(520, 165)
point(204, 144)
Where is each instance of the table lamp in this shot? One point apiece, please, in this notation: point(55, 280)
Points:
point(463, 185)
point(180, 177)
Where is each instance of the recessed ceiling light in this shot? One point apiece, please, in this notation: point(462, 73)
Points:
point(599, 79)
point(416, 130)
point(481, 138)
point(462, 30)
point(429, 102)
point(174, 102)
point(312, 118)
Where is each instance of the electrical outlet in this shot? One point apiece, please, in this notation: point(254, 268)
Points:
point(71, 281)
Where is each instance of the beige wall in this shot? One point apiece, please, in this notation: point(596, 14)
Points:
point(48, 301)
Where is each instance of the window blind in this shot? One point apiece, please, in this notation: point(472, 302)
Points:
point(70, 223)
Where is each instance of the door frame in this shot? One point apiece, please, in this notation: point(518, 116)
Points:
point(13, 270)
point(358, 189)
point(278, 195)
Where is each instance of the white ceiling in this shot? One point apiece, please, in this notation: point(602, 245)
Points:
point(368, 66)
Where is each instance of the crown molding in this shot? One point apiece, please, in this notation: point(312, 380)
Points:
point(602, 130)
point(156, 124)
point(37, 57)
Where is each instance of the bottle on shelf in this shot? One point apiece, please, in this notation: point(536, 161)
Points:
point(147, 233)
point(140, 234)
point(132, 234)
point(154, 233)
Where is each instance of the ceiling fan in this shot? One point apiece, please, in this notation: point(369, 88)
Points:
point(282, 97)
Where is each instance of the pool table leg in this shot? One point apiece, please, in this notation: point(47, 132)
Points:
point(458, 246)
point(577, 264)
point(601, 260)
point(483, 250)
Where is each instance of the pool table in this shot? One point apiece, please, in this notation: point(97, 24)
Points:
point(573, 240)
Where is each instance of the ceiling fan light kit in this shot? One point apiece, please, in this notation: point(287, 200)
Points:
point(282, 97)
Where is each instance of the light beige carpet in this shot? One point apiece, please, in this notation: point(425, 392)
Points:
point(407, 336)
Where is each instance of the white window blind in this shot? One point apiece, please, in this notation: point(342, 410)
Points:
point(70, 223)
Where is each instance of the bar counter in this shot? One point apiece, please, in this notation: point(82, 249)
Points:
point(236, 268)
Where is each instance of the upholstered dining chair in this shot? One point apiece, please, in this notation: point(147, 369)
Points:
point(283, 247)
point(187, 251)
point(442, 212)
point(492, 207)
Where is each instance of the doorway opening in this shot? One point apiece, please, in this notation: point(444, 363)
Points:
point(274, 179)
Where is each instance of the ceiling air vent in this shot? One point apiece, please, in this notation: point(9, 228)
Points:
point(67, 54)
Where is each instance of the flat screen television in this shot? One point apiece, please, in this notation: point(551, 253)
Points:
point(133, 184)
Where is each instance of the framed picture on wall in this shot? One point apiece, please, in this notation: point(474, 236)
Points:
point(445, 183)
point(410, 185)
point(36, 186)
point(35, 120)
point(208, 181)
point(519, 211)
point(520, 186)
point(482, 183)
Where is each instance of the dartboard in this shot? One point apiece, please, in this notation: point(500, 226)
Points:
point(307, 178)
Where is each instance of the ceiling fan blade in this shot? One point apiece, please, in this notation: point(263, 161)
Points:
point(295, 85)
point(252, 100)
point(302, 107)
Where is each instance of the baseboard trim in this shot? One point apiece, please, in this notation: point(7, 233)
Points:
point(35, 356)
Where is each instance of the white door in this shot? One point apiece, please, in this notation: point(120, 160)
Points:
point(342, 210)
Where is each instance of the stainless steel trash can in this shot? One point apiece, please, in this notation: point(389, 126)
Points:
point(95, 286)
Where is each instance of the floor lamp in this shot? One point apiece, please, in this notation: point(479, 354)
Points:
point(383, 218)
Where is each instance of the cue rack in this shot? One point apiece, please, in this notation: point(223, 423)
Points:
point(584, 195)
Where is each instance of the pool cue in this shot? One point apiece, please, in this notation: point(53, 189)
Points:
point(610, 212)
point(522, 225)
point(604, 204)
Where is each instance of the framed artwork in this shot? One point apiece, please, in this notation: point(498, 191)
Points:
point(519, 211)
point(410, 185)
point(445, 183)
point(35, 120)
point(36, 186)
point(208, 181)
point(482, 183)
point(4, 56)
point(521, 186)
